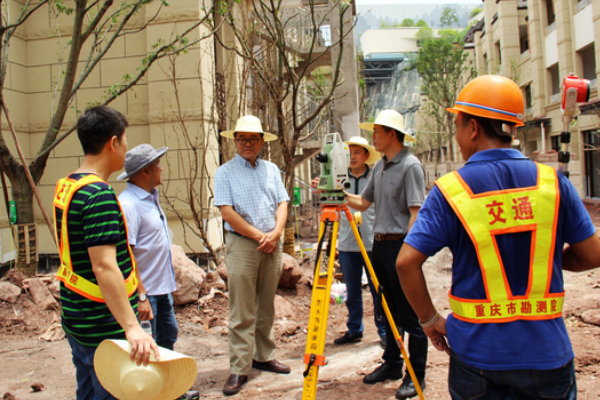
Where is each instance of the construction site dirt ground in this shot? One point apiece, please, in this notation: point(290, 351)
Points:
point(24, 360)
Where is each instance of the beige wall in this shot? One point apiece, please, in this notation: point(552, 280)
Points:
point(150, 107)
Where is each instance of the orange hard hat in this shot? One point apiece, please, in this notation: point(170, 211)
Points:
point(492, 96)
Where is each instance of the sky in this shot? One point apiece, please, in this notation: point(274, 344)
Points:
point(369, 2)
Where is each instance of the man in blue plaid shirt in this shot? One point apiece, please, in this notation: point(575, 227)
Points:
point(253, 204)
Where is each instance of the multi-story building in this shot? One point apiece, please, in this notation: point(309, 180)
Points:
point(537, 43)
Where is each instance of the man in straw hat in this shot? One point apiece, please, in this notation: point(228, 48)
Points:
point(397, 188)
point(351, 260)
point(98, 273)
point(149, 239)
point(253, 203)
point(163, 379)
point(506, 220)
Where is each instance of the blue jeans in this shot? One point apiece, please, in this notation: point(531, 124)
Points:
point(466, 382)
point(164, 324)
point(352, 265)
point(88, 386)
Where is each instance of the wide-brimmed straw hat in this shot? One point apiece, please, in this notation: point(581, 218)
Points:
point(166, 379)
point(251, 124)
point(138, 157)
point(374, 155)
point(392, 119)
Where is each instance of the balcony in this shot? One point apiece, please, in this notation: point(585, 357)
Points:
point(581, 5)
point(550, 28)
point(555, 98)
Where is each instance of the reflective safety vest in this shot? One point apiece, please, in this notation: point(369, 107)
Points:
point(485, 215)
point(65, 190)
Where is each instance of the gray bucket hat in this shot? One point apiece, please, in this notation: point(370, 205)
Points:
point(138, 157)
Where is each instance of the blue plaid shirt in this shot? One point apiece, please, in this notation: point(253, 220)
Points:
point(254, 193)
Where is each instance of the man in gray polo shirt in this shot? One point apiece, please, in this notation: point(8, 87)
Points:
point(397, 187)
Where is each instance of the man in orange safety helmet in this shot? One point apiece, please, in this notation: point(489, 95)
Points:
point(506, 220)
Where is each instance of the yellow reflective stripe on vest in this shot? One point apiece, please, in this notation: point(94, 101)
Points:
point(65, 190)
point(488, 214)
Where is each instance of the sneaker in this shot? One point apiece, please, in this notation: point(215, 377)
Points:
point(383, 373)
point(407, 389)
point(190, 395)
point(348, 338)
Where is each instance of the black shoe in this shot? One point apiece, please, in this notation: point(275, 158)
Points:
point(349, 338)
point(407, 389)
point(383, 373)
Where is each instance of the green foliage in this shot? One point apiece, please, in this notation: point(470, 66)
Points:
point(448, 17)
point(443, 65)
point(61, 8)
point(385, 24)
point(476, 11)
point(421, 23)
point(407, 22)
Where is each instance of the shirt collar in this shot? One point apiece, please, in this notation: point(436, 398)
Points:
point(495, 154)
point(139, 192)
point(242, 161)
point(364, 175)
point(397, 157)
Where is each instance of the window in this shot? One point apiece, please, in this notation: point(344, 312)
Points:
point(550, 11)
point(588, 62)
point(528, 96)
point(523, 38)
point(555, 142)
point(498, 52)
point(485, 63)
point(553, 80)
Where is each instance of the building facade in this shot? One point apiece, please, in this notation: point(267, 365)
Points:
point(537, 43)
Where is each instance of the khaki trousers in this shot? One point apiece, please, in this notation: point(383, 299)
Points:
point(252, 278)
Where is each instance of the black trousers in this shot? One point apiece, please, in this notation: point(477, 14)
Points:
point(384, 265)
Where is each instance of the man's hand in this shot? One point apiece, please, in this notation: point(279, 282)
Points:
point(437, 335)
point(141, 345)
point(145, 311)
point(269, 242)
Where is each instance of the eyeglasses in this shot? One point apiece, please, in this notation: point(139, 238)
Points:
point(252, 140)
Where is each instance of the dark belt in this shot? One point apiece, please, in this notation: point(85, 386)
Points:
point(389, 237)
point(235, 233)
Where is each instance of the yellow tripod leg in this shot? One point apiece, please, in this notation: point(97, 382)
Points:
point(317, 325)
point(384, 303)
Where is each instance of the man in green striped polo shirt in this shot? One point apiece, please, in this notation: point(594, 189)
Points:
point(97, 275)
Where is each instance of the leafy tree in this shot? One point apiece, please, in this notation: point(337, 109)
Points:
point(421, 23)
point(449, 17)
point(443, 66)
point(95, 26)
point(476, 11)
point(407, 22)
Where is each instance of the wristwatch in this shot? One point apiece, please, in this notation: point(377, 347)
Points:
point(143, 297)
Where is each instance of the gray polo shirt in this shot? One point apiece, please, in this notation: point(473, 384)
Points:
point(395, 185)
point(346, 240)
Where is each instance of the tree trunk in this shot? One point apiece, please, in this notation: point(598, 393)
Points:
point(26, 245)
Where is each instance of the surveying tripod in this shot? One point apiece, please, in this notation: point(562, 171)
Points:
point(319, 308)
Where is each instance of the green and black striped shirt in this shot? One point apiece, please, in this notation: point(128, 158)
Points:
point(94, 219)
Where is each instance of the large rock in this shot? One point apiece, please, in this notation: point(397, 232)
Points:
point(9, 292)
point(188, 275)
point(41, 295)
point(15, 277)
point(222, 270)
point(54, 288)
point(283, 308)
point(291, 273)
point(591, 317)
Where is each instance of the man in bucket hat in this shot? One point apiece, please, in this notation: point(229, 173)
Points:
point(253, 204)
point(362, 156)
point(98, 274)
point(149, 240)
point(397, 188)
